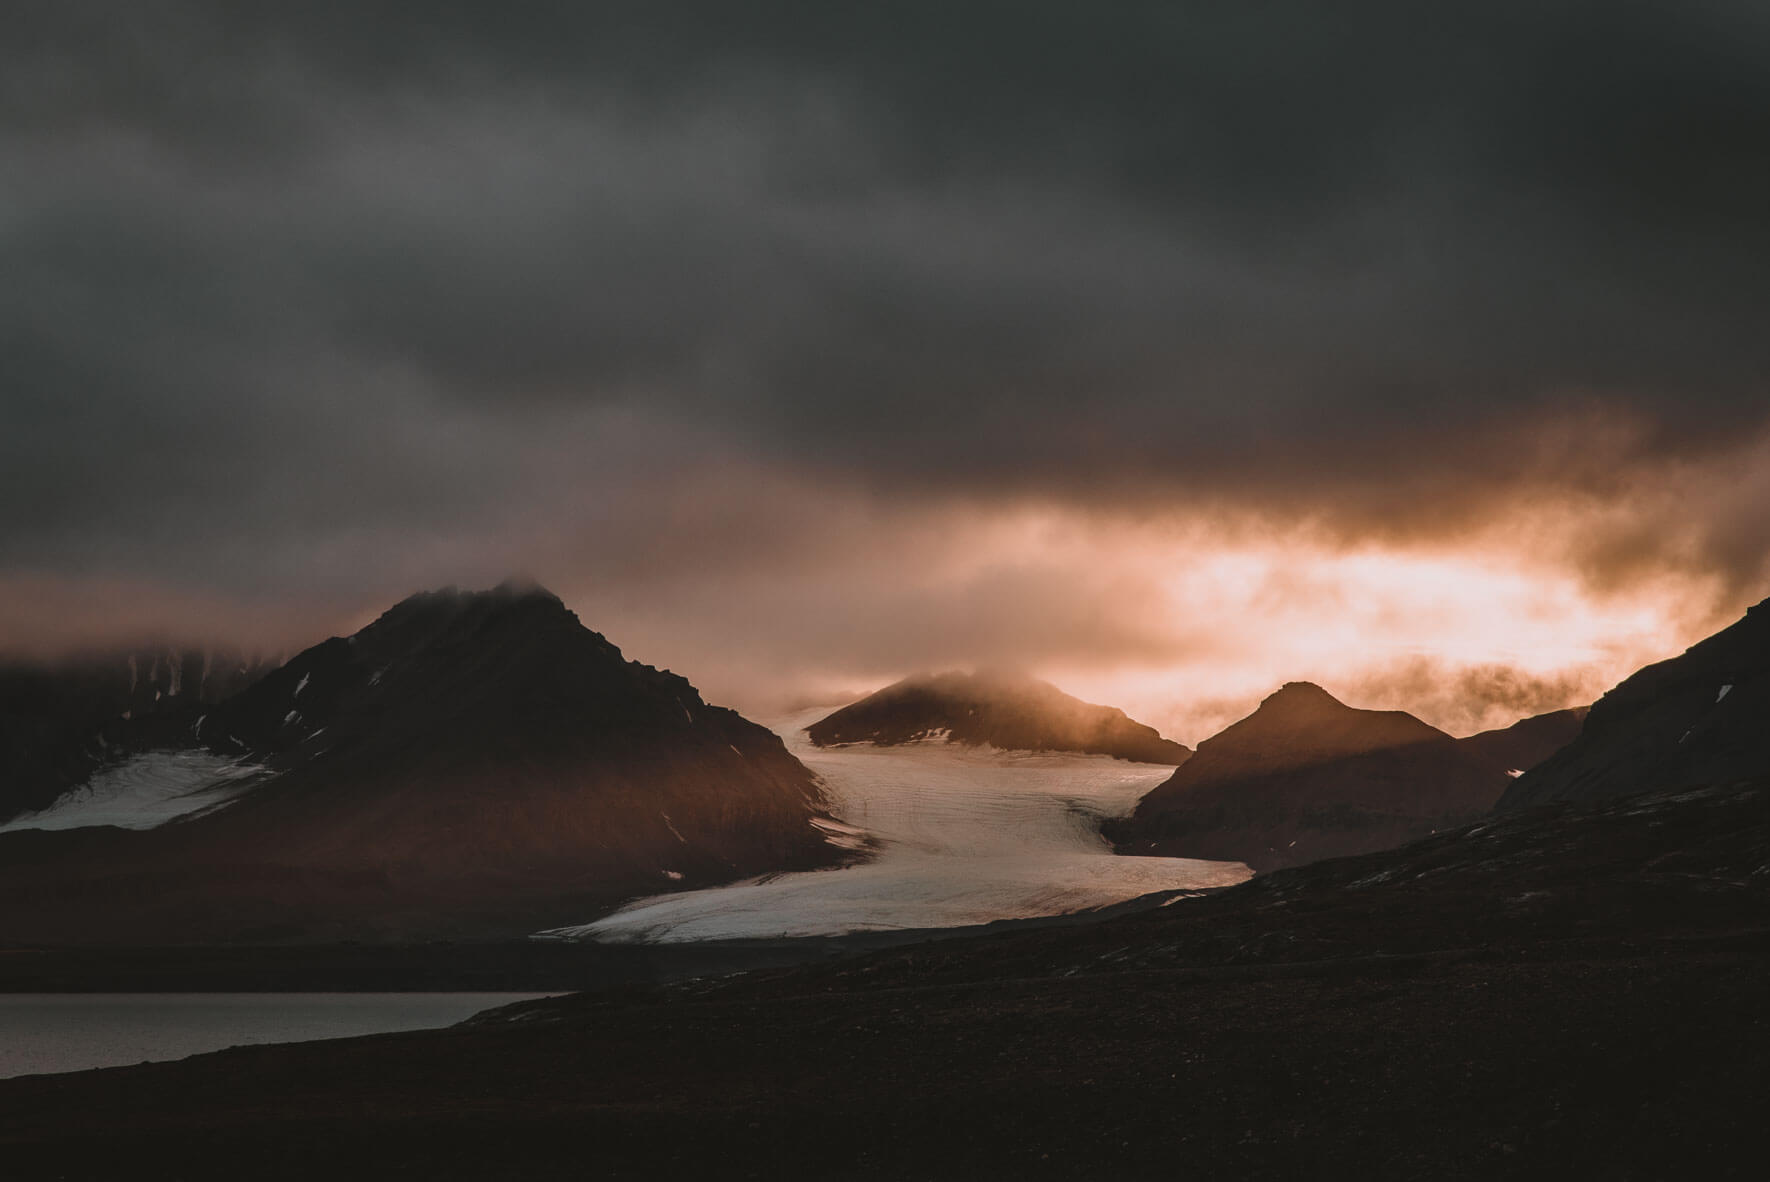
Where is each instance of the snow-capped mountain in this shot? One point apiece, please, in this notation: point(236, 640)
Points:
point(468, 761)
point(994, 709)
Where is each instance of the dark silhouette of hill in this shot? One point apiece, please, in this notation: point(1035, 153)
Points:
point(1695, 719)
point(994, 709)
point(470, 763)
point(1307, 777)
point(1518, 748)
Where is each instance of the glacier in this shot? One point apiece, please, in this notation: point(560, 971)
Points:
point(961, 835)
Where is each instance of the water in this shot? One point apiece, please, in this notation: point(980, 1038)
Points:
point(48, 1032)
point(966, 836)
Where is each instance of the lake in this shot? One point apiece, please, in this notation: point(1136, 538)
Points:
point(50, 1032)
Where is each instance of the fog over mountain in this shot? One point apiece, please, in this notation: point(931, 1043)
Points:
point(997, 709)
point(798, 344)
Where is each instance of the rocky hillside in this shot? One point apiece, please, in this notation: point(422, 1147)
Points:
point(61, 722)
point(1695, 719)
point(994, 709)
point(468, 762)
point(1306, 777)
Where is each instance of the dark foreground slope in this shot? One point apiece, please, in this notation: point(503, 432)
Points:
point(998, 710)
point(1563, 993)
point(1699, 718)
point(467, 765)
point(1307, 777)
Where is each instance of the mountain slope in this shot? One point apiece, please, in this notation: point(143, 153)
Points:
point(61, 723)
point(1527, 742)
point(465, 763)
point(994, 709)
point(1306, 777)
point(1695, 719)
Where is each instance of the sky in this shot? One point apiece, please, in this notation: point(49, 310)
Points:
point(1166, 350)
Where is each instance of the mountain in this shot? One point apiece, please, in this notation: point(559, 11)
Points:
point(996, 709)
point(1306, 777)
point(62, 722)
point(1527, 742)
point(469, 762)
point(1692, 720)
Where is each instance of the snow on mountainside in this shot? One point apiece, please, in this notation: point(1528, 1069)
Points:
point(62, 723)
point(145, 791)
point(469, 763)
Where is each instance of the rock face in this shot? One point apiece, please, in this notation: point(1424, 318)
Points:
point(1526, 743)
point(1307, 777)
point(1695, 719)
point(469, 763)
point(998, 710)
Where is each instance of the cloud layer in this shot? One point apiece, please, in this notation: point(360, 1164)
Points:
point(790, 318)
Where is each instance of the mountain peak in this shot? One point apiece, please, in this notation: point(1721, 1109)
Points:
point(522, 587)
point(998, 708)
point(1303, 723)
point(1306, 776)
point(1301, 695)
point(516, 589)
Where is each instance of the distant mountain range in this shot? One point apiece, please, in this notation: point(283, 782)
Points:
point(994, 709)
point(468, 763)
point(1307, 777)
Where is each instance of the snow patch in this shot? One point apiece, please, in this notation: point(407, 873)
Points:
point(302, 684)
point(1514, 772)
point(675, 875)
point(672, 827)
point(291, 716)
point(1725, 690)
point(145, 791)
point(843, 837)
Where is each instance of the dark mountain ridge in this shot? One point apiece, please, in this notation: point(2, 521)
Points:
point(1518, 748)
point(996, 709)
point(1694, 719)
point(1307, 777)
point(468, 762)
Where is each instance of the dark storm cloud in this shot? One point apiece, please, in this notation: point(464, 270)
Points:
point(337, 295)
